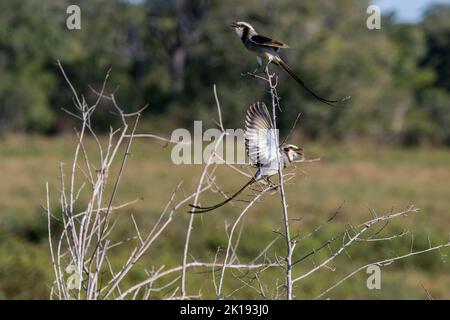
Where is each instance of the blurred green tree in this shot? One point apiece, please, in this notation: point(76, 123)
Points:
point(28, 41)
point(170, 53)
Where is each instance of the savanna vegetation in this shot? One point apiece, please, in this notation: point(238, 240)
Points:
point(169, 53)
point(353, 177)
point(386, 149)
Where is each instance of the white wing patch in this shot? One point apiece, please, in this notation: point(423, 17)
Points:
point(260, 139)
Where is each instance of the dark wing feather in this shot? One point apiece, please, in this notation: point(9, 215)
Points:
point(265, 41)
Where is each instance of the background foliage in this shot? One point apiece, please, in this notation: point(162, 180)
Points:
point(169, 53)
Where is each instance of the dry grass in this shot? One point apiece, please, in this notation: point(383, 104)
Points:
point(356, 176)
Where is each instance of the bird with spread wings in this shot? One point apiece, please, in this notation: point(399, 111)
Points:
point(261, 147)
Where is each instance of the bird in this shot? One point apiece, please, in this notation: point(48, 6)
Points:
point(269, 48)
point(261, 147)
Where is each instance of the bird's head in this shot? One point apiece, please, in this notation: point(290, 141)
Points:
point(293, 152)
point(240, 26)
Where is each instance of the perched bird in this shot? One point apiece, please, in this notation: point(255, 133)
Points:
point(268, 48)
point(261, 147)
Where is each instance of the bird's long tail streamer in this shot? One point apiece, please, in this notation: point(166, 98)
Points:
point(199, 209)
point(283, 64)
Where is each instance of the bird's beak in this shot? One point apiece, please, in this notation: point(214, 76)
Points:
point(234, 25)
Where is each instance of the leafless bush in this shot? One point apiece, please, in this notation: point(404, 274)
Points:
point(80, 255)
point(81, 251)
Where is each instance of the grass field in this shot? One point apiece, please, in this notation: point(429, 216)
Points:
point(353, 177)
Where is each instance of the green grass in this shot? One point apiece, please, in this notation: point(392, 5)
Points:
point(355, 177)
